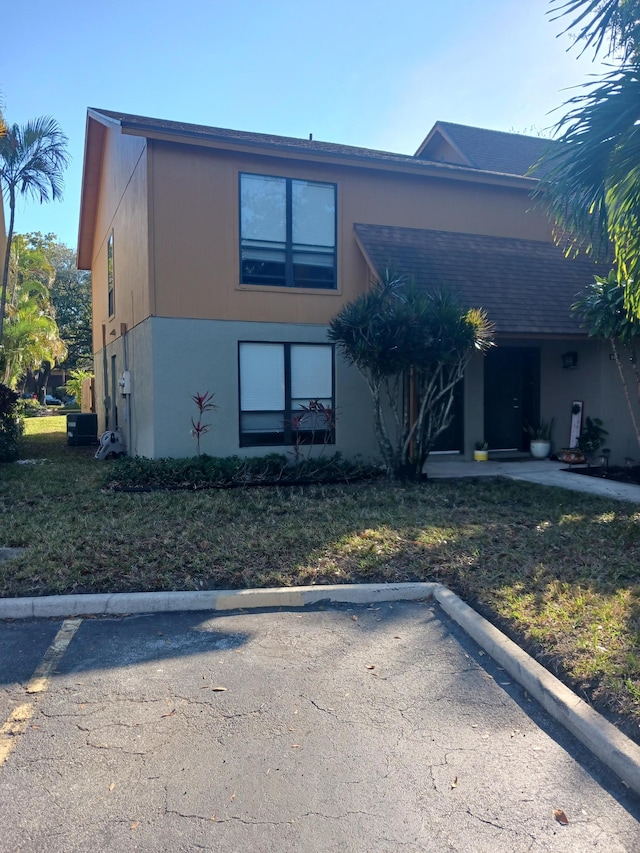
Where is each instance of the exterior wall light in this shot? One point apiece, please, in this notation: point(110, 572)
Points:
point(570, 360)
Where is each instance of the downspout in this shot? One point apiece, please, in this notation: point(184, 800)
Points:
point(126, 391)
point(105, 378)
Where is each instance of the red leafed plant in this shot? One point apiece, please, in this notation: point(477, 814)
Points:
point(205, 403)
point(314, 419)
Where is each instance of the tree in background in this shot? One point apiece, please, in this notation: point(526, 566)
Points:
point(33, 158)
point(604, 316)
point(71, 300)
point(31, 335)
point(591, 180)
point(73, 385)
point(412, 348)
point(50, 297)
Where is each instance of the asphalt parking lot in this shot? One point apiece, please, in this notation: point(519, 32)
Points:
point(349, 728)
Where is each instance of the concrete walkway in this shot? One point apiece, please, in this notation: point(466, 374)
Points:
point(542, 471)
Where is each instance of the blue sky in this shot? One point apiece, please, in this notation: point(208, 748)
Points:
point(375, 74)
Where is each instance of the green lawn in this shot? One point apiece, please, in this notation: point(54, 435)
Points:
point(557, 570)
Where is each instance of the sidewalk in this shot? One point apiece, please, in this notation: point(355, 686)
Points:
point(542, 471)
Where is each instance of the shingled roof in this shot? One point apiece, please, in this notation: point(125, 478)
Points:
point(222, 134)
point(497, 164)
point(486, 150)
point(527, 287)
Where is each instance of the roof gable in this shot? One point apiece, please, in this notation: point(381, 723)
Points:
point(485, 150)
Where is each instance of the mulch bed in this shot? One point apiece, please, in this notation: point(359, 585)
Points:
point(614, 472)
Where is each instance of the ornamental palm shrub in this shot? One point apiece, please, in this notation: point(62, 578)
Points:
point(412, 348)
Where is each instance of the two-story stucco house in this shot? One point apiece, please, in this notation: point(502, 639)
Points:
point(218, 258)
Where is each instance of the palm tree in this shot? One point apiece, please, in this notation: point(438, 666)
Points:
point(591, 179)
point(32, 160)
point(31, 334)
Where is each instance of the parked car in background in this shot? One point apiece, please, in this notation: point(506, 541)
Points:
point(50, 400)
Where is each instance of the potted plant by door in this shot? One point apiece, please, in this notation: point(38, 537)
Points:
point(481, 452)
point(540, 444)
point(591, 438)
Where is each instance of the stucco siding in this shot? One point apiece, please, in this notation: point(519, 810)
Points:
point(596, 382)
point(192, 356)
point(171, 359)
point(195, 216)
point(135, 412)
point(122, 210)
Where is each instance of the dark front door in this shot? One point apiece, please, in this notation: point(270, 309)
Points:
point(511, 395)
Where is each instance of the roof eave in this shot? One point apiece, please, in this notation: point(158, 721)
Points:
point(96, 129)
point(422, 167)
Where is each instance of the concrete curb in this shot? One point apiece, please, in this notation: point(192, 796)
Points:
point(115, 604)
point(614, 749)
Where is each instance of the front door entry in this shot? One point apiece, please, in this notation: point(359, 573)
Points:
point(511, 395)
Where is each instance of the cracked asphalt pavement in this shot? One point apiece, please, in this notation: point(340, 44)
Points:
point(341, 729)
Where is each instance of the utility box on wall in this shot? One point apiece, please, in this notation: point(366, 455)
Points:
point(82, 428)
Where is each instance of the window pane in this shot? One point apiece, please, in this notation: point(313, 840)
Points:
point(263, 266)
point(311, 372)
point(261, 377)
point(263, 204)
point(262, 422)
point(313, 213)
point(311, 418)
point(314, 269)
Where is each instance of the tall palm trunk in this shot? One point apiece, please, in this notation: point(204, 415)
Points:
point(5, 269)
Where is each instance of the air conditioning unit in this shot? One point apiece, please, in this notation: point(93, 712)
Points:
point(82, 428)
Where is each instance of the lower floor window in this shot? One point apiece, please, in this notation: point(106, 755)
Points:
point(286, 394)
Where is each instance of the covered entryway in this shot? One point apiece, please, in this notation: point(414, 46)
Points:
point(511, 396)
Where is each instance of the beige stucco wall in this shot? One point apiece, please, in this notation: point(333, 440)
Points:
point(122, 208)
point(195, 216)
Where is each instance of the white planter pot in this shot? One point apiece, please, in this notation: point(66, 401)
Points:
point(540, 449)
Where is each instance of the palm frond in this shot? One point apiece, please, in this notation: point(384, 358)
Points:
point(612, 24)
point(33, 158)
point(591, 178)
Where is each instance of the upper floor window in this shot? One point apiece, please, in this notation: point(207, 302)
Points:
point(287, 232)
point(111, 294)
